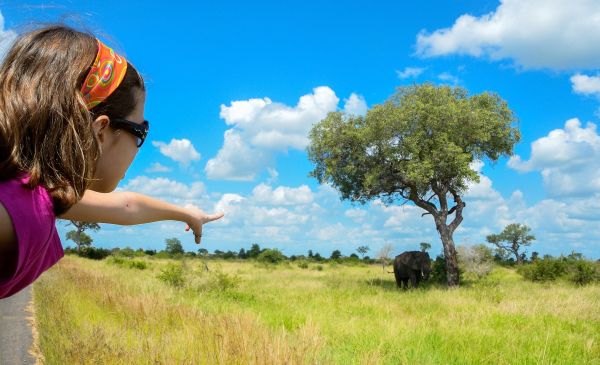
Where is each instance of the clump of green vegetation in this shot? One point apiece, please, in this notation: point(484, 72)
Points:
point(271, 256)
point(127, 263)
point(173, 275)
point(572, 268)
point(318, 267)
point(303, 264)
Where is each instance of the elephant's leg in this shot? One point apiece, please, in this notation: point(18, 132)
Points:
point(405, 283)
point(413, 280)
point(398, 279)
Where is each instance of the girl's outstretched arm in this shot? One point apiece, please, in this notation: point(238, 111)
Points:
point(127, 208)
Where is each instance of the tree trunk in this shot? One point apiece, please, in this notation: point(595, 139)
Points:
point(450, 255)
point(519, 258)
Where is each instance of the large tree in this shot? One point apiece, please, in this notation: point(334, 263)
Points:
point(418, 146)
point(512, 239)
point(79, 236)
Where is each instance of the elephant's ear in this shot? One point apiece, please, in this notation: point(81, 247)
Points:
point(409, 261)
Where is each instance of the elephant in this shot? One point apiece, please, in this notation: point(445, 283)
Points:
point(412, 265)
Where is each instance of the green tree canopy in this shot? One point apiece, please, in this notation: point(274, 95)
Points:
point(79, 236)
point(362, 250)
point(336, 254)
point(512, 239)
point(173, 246)
point(418, 146)
point(425, 246)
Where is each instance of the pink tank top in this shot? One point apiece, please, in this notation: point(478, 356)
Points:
point(34, 222)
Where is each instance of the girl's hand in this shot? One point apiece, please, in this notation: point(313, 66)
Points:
point(197, 218)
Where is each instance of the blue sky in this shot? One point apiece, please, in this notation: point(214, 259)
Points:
point(234, 86)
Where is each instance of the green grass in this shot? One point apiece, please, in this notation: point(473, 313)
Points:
point(91, 312)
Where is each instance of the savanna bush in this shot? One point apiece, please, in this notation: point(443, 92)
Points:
point(475, 260)
point(438, 270)
point(573, 269)
point(546, 269)
point(127, 263)
point(583, 272)
point(93, 253)
point(303, 264)
point(271, 256)
point(172, 275)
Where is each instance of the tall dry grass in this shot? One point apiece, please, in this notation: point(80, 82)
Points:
point(86, 316)
point(92, 312)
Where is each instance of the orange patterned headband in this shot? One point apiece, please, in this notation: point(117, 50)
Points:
point(104, 77)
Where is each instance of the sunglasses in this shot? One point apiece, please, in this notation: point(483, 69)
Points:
point(140, 131)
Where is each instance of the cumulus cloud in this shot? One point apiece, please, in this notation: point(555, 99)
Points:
point(568, 159)
point(180, 150)
point(410, 72)
point(157, 167)
point(355, 105)
point(553, 34)
point(586, 85)
point(296, 219)
point(7, 38)
point(237, 159)
point(449, 78)
point(262, 128)
point(165, 188)
point(282, 195)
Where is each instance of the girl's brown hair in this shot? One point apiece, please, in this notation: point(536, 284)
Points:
point(45, 128)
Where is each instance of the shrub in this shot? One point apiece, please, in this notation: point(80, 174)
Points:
point(172, 275)
point(438, 271)
point(546, 269)
point(271, 256)
point(223, 281)
point(475, 260)
point(127, 263)
point(582, 272)
point(93, 253)
point(318, 268)
point(303, 264)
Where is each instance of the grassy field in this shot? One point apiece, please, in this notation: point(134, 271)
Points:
point(95, 312)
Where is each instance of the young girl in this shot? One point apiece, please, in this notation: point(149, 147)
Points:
point(71, 122)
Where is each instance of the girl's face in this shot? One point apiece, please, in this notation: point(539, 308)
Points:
point(118, 147)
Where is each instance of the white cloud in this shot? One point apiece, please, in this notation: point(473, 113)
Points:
point(448, 77)
point(282, 195)
point(165, 188)
point(237, 159)
point(157, 167)
point(568, 159)
point(180, 150)
point(355, 105)
point(7, 38)
point(262, 128)
point(318, 220)
point(553, 34)
point(586, 85)
point(355, 214)
point(410, 72)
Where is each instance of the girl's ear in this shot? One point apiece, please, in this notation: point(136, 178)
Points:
point(100, 126)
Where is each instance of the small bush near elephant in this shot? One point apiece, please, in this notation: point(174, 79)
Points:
point(172, 275)
point(438, 271)
point(476, 261)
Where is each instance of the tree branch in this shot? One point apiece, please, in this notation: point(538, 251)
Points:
point(458, 209)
